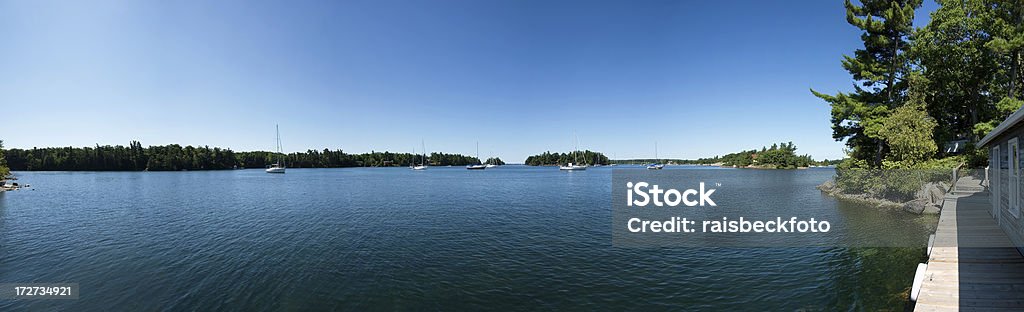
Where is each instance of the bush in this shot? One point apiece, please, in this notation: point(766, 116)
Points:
point(895, 184)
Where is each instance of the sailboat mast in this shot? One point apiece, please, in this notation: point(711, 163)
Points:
point(280, 158)
point(576, 148)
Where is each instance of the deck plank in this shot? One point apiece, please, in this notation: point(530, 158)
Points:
point(973, 265)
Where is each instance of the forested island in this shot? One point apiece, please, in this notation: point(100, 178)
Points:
point(587, 157)
point(642, 161)
point(778, 156)
point(174, 157)
point(494, 161)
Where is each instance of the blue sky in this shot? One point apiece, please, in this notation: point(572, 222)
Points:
point(699, 77)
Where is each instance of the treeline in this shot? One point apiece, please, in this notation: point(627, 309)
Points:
point(175, 157)
point(918, 89)
point(494, 161)
point(339, 159)
point(4, 170)
point(780, 156)
point(552, 159)
point(642, 161)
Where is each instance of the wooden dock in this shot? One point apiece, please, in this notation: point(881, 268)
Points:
point(988, 275)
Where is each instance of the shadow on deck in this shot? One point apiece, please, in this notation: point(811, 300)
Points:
point(973, 265)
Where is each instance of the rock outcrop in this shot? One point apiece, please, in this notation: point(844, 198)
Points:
point(927, 200)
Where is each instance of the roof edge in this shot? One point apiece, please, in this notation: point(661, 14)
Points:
point(1014, 118)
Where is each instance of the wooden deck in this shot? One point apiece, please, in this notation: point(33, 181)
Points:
point(972, 266)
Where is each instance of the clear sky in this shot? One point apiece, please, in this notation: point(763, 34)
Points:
point(520, 76)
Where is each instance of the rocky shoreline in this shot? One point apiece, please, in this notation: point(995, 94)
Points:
point(927, 200)
point(11, 186)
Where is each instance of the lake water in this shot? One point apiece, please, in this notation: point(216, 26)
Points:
point(512, 237)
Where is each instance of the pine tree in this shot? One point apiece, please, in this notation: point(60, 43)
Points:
point(878, 70)
point(1007, 28)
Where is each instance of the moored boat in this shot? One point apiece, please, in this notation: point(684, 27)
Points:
point(423, 158)
point(477, 166)
point(574, 166)
point(279, 166)
point(657, 163)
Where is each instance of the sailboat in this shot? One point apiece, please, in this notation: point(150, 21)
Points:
point(277, 167)
point(657, 162)
point(574, 166)
point(477, 166)
point(423, 159)
point(490, 165)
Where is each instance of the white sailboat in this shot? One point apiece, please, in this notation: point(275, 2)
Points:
point(279, 166)
point(490, 165)
point(477, 166)
point(657, 162)
point(574, 166)
point(423, 159)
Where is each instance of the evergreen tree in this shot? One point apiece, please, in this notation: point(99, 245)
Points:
point(495, 161)
point(878, 70)
point(959, 66)
point(4, 170)
point(1006, 25)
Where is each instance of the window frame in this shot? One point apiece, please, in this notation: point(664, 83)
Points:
point(1013, 157)
point(995, 183)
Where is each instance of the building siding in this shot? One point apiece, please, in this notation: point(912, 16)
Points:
point(1010, 224)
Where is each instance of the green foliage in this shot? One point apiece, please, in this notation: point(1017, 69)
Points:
point(878, 68)
point(969, 58)
point(1003, 23)
point(886, 25)
point(494, 161)
point(856, 176)
point(1004, 108)
point(132, 157)
point(4, 170)
point(945, 163)
point(959, 68)
point(779, 156)
point(975, 157)
point(442, 159)
point(175, 157)
point(642, 161)
point(908, 130)
point(553, 159)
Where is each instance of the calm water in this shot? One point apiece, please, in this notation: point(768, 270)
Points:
point(390, 238)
